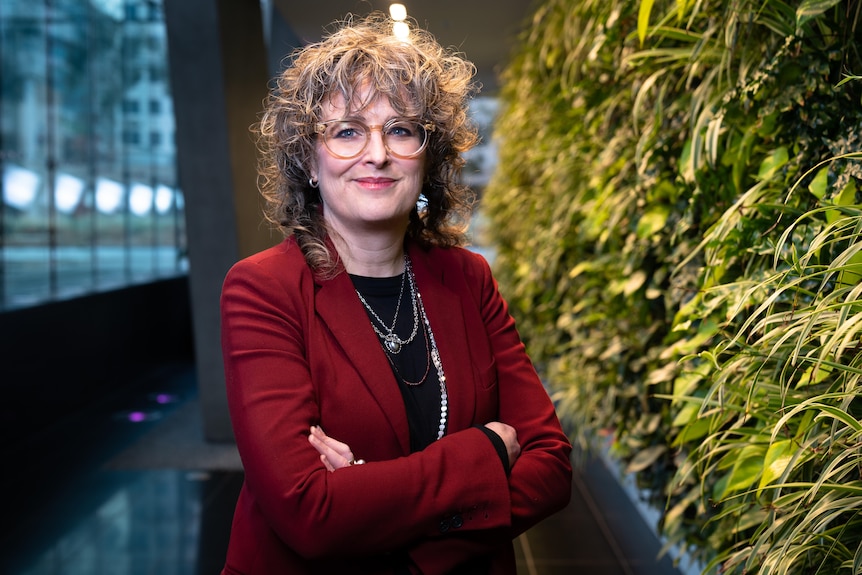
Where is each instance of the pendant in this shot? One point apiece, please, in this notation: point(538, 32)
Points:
point(392, 343)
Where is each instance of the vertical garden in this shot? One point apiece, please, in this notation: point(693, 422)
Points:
point(678, 227)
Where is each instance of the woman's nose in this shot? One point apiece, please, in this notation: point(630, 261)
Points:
point(376, 151)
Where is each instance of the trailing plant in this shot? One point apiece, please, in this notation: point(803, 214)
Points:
point(656, 190)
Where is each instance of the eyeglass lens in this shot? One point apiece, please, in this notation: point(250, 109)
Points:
point(348, 138)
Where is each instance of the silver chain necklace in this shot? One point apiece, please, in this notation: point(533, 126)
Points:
point(438, 365)
point(390, 339)
point(394, 344)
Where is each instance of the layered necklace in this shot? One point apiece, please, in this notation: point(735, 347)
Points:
point(393, 344)
point(391, 341)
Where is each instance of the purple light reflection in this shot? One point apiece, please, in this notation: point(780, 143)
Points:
point(136, 416)
point(164, 398)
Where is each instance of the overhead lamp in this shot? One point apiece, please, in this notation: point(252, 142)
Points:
point(164, 199)
point(140, 199)
point(109, 195)
point(398, 12)
point(20, 186)
point(401, 30)
point(67, 192)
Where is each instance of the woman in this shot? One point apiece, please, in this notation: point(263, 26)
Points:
point(387, 415)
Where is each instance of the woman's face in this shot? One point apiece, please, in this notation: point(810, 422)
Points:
point(375, 191)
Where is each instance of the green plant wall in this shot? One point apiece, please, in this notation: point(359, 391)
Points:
point(678, 230)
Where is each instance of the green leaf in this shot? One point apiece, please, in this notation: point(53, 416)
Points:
point(778, 457)
point(851, 274)
point(810, 8)
point(813, 375)
point(838, 414)
point(653, 221)
point(818, 185)
point(847, 197)
point(634, 283)
point(747, 467)
point(645, 458)
point(643, 19)
point(693, 431)
point(772, 163)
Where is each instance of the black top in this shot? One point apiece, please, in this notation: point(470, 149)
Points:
point(422, 402)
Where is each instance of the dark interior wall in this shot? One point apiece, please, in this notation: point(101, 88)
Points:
point(64, 356)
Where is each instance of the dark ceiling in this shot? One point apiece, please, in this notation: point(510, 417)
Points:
point(485, 30)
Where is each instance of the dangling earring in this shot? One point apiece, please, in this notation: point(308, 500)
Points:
point(312, 182)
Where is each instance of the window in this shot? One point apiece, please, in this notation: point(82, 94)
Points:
point(89, 198)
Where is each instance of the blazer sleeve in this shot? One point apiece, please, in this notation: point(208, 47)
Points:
point(540, 481)
point(380, 507)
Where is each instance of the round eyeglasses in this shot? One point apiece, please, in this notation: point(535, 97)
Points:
point(346, 139)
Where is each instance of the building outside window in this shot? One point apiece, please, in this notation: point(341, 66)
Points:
point(90, 199)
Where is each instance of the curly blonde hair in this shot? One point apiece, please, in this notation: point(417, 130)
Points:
point(419, 77)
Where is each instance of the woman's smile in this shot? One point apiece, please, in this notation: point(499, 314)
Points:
point(375, 183)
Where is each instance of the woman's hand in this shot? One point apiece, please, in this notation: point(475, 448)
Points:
point(333, 453)
point(509, 436)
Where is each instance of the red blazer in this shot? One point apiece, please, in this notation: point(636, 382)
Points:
point(299, 352)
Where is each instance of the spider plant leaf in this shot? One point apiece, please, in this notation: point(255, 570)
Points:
point(809, 8)
point(644, 11)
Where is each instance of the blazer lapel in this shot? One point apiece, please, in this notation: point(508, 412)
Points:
point(443, 307)
point(339, 308)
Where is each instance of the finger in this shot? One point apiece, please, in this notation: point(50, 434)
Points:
point(321, 447)
point(317, 432)
point(327, 464)
point(332, 458)
point(337, 446)
point(324, 457)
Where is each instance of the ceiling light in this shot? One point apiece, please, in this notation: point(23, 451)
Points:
point(401, 30)
point(109, 195)
point(398, 12)
point(67, 192)
point(20, 186)
point(141, 199)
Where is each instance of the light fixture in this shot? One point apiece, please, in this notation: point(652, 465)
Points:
point(398, 12)
point(141, 199)
point(164, 199)
point(20, 186)
point(109, 195)
point(401, 30)
point(67, 192)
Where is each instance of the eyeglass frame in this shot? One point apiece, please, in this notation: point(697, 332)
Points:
point(320, 128)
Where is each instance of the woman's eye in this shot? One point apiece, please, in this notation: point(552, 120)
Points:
point(400, 131)
point(347, 132)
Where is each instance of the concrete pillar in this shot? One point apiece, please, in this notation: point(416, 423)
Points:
point(219, 76)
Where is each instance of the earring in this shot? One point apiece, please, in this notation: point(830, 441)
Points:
point(312, 182)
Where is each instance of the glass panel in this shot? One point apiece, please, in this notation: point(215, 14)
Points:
point(25, 137)
point(90, 199)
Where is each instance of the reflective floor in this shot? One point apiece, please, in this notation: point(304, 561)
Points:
point(131, 488)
